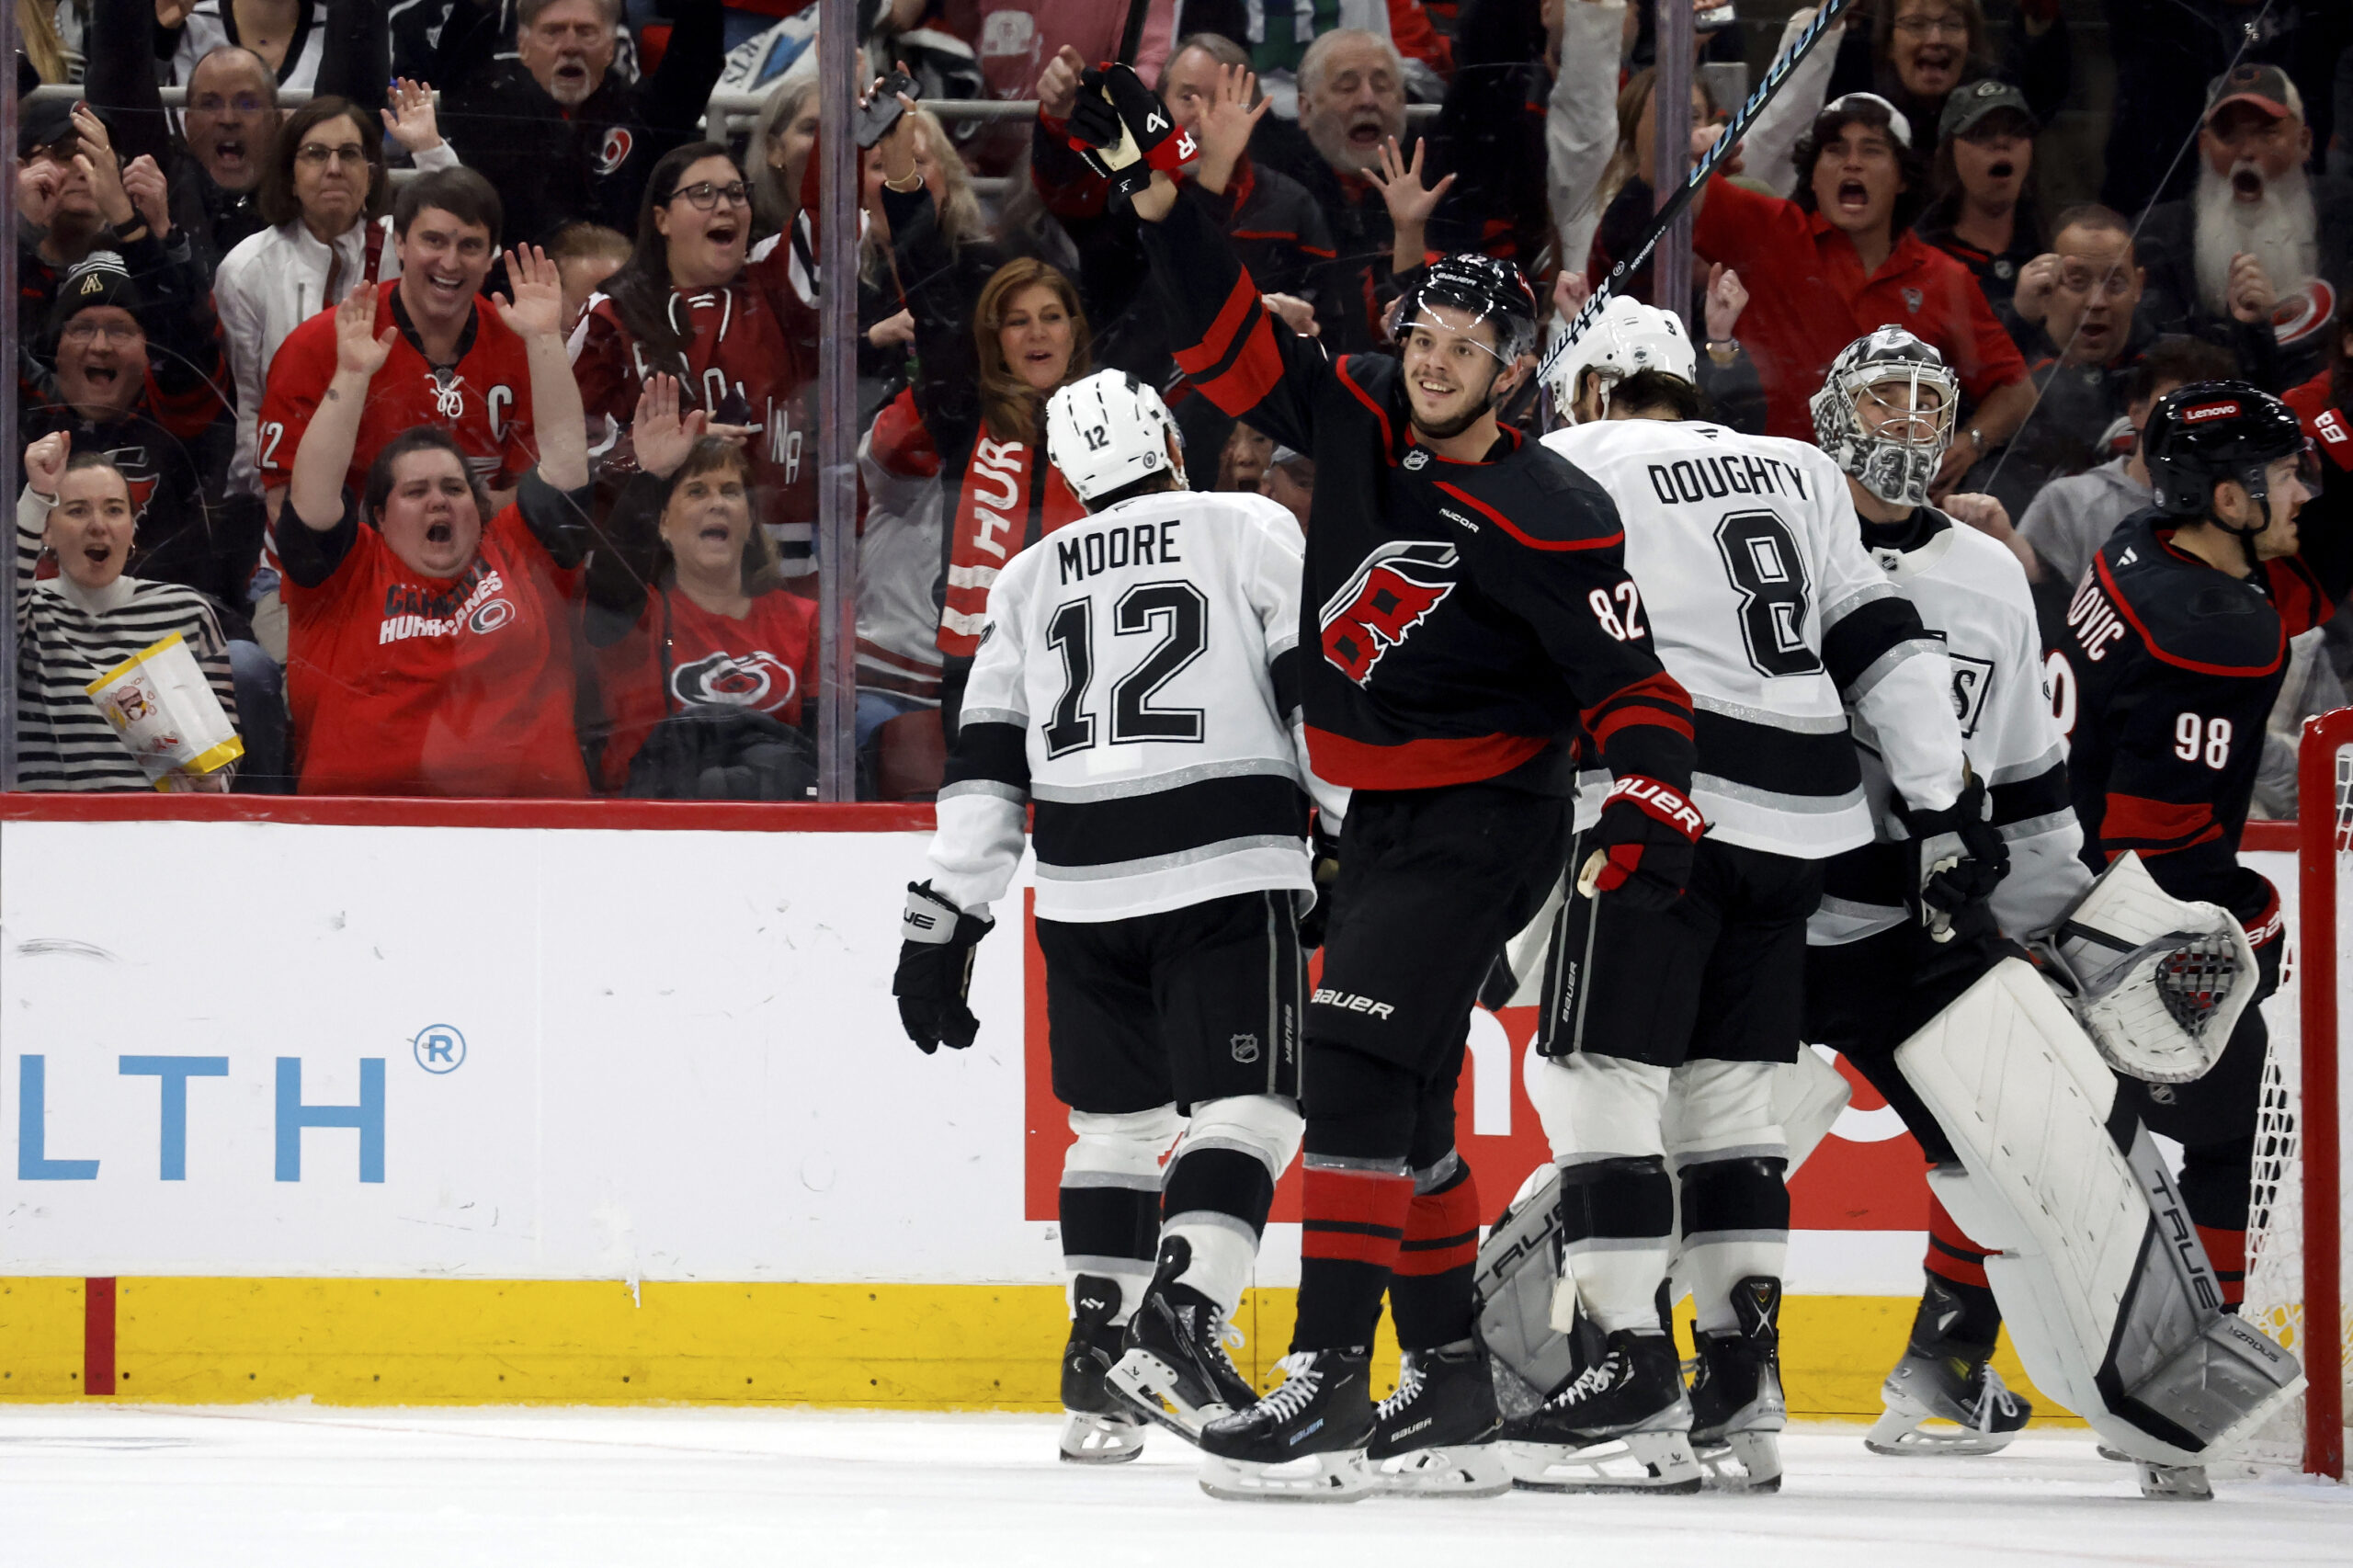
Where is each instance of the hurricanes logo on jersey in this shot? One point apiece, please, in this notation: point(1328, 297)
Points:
point(760, 681)
point(1391, 593)
point(615, 150)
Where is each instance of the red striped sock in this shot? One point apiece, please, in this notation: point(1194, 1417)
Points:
point(1951, 1254)
point(2226, 1250)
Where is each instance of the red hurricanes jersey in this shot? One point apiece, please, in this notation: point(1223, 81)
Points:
point(405, 685)
point(484, 400)
point(751, 359)
point(765, 662)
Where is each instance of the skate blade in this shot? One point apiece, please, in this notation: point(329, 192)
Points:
point(1905, 1436)
point(2175, 1482)
point(1100, 1439)
point(1337, 1477)
point(1148, 1385)
point(1638, 1462)
point(1467, 1470)
point(1742, 1461)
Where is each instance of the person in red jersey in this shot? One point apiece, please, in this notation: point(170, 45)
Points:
point(451, 363)
point(684, 614)
point(429, 637)
point(693, 302)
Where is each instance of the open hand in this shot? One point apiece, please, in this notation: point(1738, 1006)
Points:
point(45, 462)
point(99, 166)
point(1293, 313)
point(537, 307)
point(1409, 201)
point(410, 117)
point(359, 349)
point(660, 436)
point(1228, 115)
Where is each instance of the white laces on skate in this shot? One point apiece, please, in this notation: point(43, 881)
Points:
point(1591, 1383)
point(1994, 1399)
point(1301, 1379)
point(1410, 1378)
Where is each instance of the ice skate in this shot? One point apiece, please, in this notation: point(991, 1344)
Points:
point(1967, 1393)
point(1097, 1427)
point(1623, 1424)
point(1736, 1403)
point(1303, 1442)
point(2175, 1482)
point(1436, 1436)
point(1176, 1370)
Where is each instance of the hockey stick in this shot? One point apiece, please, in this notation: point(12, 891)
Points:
point(1701, 171)
point(1131, 31)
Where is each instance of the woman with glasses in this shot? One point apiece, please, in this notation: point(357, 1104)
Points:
point(695, 301)
point(325, 194)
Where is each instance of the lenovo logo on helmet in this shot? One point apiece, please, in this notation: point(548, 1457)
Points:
point(2209, 411)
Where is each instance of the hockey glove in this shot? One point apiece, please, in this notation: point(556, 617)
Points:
point(1122, 130)
point(1643, 844)
point(1324, 865)
point(936, 971)
point(1958, 860)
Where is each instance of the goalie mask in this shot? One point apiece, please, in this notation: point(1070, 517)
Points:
point(1886, 414)
point(1627, 336)
point(1108, 431)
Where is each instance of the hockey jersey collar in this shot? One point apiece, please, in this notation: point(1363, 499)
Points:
point(408, 328)
point(2147, 543)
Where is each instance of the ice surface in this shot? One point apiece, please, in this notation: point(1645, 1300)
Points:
point(264, 1485)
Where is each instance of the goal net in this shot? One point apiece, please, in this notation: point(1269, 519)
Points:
point(2296, 1281)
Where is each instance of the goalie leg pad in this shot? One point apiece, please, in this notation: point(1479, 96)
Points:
point(1808, 1095)
point(2108, 1298)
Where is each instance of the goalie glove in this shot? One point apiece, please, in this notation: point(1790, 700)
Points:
point(1958, 860)
point(1643, 844)
point(935, 973)
point(1123, 130)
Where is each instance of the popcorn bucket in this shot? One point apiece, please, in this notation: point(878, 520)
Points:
point(161, 705)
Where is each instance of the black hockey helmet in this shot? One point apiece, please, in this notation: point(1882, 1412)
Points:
point(2209, 431)
point(1488, 289)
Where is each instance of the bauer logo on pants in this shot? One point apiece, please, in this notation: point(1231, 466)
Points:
point(1389, 594)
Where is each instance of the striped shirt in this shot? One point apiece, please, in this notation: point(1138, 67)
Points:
point(68, 637)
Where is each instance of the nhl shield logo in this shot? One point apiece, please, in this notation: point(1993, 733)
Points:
point(1913, 300)
point(1417, 459)
point(1245, 1048)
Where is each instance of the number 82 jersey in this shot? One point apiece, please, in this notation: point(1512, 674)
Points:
point(1138, 681)
point(1763, 603)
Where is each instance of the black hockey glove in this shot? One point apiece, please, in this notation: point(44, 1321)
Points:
point(1643, 844)
point(1122, 130)
point(1324, 865)
point(1958, 860)
point(936, 971)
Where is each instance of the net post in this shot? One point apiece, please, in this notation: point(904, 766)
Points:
point(2319, 829)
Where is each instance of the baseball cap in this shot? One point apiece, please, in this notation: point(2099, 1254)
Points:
point(1897, 126)
point(98, 279)
point(2265, 86)
point(1971, 104)
point(1284, 455)
point(44, 123)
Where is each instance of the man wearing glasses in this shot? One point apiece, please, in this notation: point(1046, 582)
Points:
point(454, 363)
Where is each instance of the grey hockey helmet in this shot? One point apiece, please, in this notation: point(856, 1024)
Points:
point(1886, 414)
point(1107, 431)
point(1626, 337)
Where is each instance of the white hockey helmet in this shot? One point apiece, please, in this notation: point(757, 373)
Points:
point(1106, 432)
point(1896, 459)
point(1627, 336)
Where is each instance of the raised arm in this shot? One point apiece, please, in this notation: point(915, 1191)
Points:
point(44, 471)
point(314, 490)
point(536, 315)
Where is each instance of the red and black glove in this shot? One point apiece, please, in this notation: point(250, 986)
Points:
point(1123, 130)
point(1643, 844)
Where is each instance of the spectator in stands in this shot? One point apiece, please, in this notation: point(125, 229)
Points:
point(688, 625)
point(74, 627)
point(1289, 482)
point(1276, 228)
point(287, 36)
point(786, 132)
point(736, 333)
point(2086, 338)
point(2324, 404)
point(1983, 212)
point(888, 330)
point(1621, 193)
point(560, 135)
point(989, 362)
point(325, 192)
point(898, 560)
point(586, 255)
point(1281, 36)
point(2070, 518)
point(2261, 253)
point(452, 360)
point(1840, 260)
point(1915, 52)
point(430, 651)
point(74, 196)
point(1242, 463)
point(1017, 39)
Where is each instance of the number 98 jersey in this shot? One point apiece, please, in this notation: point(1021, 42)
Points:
point(1138, 681)
point(1763, 603)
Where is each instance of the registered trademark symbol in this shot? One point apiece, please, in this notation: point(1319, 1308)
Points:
point(440, 1048)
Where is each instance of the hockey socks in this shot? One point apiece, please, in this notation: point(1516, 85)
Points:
point(1735, 1228)
point(1429, 1295)
point(1957, 1313)
point(1618, 1230)
point(1216, 1204)
point(1353, 1222)
point(1110, 1199)
point(2226, 1252)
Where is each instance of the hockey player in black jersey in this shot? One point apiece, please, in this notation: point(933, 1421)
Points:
point(1465, 606)
point(1873, 977)
point(1137, 681)
point(2177, 639)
